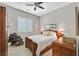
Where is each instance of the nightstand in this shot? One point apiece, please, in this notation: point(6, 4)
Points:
point(60, 48)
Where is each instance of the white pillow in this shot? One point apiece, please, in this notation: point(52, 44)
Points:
point(49, 33)
point(53, 34)
point(44, 33)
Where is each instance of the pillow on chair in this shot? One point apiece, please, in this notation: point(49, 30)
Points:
point(69, 40)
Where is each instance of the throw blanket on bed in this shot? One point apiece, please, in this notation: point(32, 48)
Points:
point(42, 41)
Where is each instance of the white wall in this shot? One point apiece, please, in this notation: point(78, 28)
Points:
point(12, 15)
point(64, 18)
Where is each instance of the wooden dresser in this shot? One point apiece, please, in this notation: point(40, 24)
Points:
point(61, 48)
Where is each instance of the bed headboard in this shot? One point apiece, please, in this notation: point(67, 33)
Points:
point(51, 30)
point(58, 33)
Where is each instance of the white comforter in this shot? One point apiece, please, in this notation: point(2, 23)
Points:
point(42, 41)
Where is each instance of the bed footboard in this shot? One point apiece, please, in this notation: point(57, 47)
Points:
point(31, 45)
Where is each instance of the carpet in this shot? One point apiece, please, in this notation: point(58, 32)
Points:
point(22, 51)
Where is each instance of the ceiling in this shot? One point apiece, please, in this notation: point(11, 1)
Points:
point(49, 7)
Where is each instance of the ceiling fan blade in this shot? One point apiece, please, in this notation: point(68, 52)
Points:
point(29, 4)
point(40, 2)
point(34, 8)
point(41, 7)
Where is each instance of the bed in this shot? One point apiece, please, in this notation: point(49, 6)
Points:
point(39, 44)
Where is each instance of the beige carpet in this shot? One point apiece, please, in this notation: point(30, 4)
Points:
point(22, 51)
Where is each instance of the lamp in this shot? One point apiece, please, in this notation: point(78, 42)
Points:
point(42, 28)
point(60, 35)
point(61, 30)
point(41, 31)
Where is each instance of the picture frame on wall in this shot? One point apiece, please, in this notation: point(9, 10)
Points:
point(53, 26)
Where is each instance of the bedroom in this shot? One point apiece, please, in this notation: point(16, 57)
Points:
point(62, 18)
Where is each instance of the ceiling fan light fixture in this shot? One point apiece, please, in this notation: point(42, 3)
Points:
point(36, 4)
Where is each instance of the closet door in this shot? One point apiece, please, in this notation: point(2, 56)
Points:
point(3, 41)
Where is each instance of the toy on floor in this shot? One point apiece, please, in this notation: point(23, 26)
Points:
point(15, 39)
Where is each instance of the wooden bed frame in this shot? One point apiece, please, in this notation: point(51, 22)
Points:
point(33, 46)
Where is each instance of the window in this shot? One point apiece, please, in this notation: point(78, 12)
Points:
point(24, 24)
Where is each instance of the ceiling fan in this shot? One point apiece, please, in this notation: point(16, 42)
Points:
point(36, 4)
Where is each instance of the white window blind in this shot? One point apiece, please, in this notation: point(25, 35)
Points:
point(24, 24)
